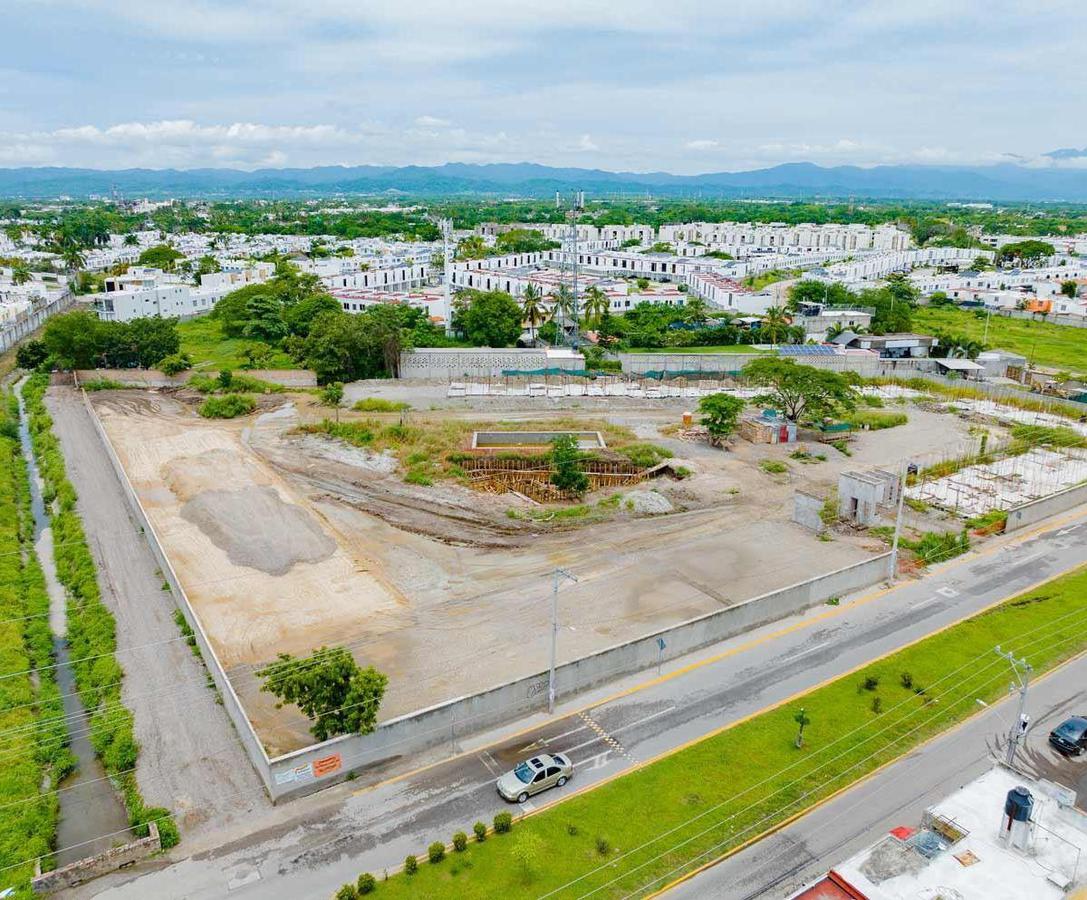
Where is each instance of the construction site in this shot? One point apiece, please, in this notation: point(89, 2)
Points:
point(425, 541)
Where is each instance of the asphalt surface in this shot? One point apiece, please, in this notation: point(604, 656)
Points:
point(786, 861)
point(309, 847)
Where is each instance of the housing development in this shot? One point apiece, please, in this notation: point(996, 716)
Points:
point(372, 525)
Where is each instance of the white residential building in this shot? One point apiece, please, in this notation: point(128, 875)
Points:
point(729, 294)
point(743, 238)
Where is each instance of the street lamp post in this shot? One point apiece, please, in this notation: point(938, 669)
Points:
point(1018, 730)
point(555, 578)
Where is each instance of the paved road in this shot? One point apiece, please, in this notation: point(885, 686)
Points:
point(309, 847)
point(784, 862)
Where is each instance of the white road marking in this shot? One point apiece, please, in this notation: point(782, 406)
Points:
point(488, 761)
point(805, 652)
point(528, 806)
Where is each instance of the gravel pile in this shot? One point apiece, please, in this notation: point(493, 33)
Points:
point(648, 502)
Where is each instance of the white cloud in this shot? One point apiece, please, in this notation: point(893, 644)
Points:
point(431, 122)
point(702, 144)
point(586, 143)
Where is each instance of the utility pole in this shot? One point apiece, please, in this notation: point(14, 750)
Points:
point(898, 520)
point(1022, 669)
point(555, 578)
point(447, 303)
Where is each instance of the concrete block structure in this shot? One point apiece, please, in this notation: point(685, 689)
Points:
point(861, 494)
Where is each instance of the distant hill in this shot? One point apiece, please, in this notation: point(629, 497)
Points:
point(1005, 182)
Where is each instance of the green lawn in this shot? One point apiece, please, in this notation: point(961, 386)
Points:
point(714, 348)
point(1059, 347)
point(636, 833)
point(202, 338)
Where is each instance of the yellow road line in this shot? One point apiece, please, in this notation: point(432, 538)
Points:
point(750, 645)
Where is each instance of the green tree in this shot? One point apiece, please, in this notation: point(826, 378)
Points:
point(696, 310)
point(207, 265)
point(1025, 253)
point(1068, 288)
point(809, 291)
point(332, 396)
point(523, 240)
point(564, 312)
point(161, 256)
point(720, 412)
point(264, 318)
point(566, 472)
point(31, 354)
point(596, 305)
point(775, 324)
point(73, 339)
point(531, 309)
point(20, 272)
point(492, 319)
point(337, 349)
point(328, 687)
point(802, 720)
point(801, 393)
point(472, 247)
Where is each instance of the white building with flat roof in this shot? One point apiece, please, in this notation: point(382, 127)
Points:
point(1003, 836)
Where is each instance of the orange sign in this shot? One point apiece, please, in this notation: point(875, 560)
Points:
point(326, 765)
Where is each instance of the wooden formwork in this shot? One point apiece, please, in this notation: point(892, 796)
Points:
point(531, 476)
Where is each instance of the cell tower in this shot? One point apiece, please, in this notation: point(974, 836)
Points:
point(446, 226)
point(569, 269)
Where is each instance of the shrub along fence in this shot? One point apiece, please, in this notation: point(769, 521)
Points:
point(91, 627)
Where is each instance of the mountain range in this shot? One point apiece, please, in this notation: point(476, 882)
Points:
point(1004, 182)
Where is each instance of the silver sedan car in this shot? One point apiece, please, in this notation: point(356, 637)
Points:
point(534, 775)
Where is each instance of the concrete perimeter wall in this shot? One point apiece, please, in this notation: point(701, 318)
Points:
point(150, 378)
point(863, 364)
point(464, 715)
point(82, 870)
point(1028, 513)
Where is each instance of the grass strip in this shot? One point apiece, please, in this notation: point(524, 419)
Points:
point(91, 627)
point(633, 834)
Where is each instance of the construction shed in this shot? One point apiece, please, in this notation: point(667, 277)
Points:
point(767, 428)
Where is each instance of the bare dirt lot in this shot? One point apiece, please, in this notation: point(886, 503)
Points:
point(288, 542)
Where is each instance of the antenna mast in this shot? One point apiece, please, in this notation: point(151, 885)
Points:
point(446, 226)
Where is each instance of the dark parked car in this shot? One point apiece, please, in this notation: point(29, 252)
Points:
point(1070, 736)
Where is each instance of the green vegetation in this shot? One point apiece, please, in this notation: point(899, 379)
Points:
point(875, 419)
point(233, 383)
point(765, 279)
point(1024, 253)
point(330, 688)
point(80, 340)
point(645, 454)
point(31, 713)
point(801, 393)
point(203, 341)
point(91, 628)
point(226, 406)
point(934, 547)
point(991, 522)
point(566, 474)
point(488, 318)
point(434, 446)
point(103, 384)
point(720, 413)
point(161, 256)
point(674, 813)
point(377, 405)
point(1059, 347)
point(774, 466)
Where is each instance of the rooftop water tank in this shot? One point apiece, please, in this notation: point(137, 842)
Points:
point(1019, 804)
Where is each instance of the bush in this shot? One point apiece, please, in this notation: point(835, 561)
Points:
point(228, 406)
point(876, 419)
point(503, 822)
point(773, 466)
point(347, 892)
point(460, 842)
point(877, 705)
point(419, 477)
point(103, 384)
point(174, 364)
point(645, 455)
point(411, 865)
point(436, 852)
point(907, 681)
point(480, 831)
point(870, 683)
point(367, 884)
point(603, 846)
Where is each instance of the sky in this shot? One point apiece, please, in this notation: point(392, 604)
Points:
point(624, 85)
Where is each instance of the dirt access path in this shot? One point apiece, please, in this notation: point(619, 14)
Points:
point(190, 760)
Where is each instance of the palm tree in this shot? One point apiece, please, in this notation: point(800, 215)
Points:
point(775, 324)
point(696, 310)
point(20, 272)
point(531, 310)
point(596, 305)
point(73, 258)
point(565, 312)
